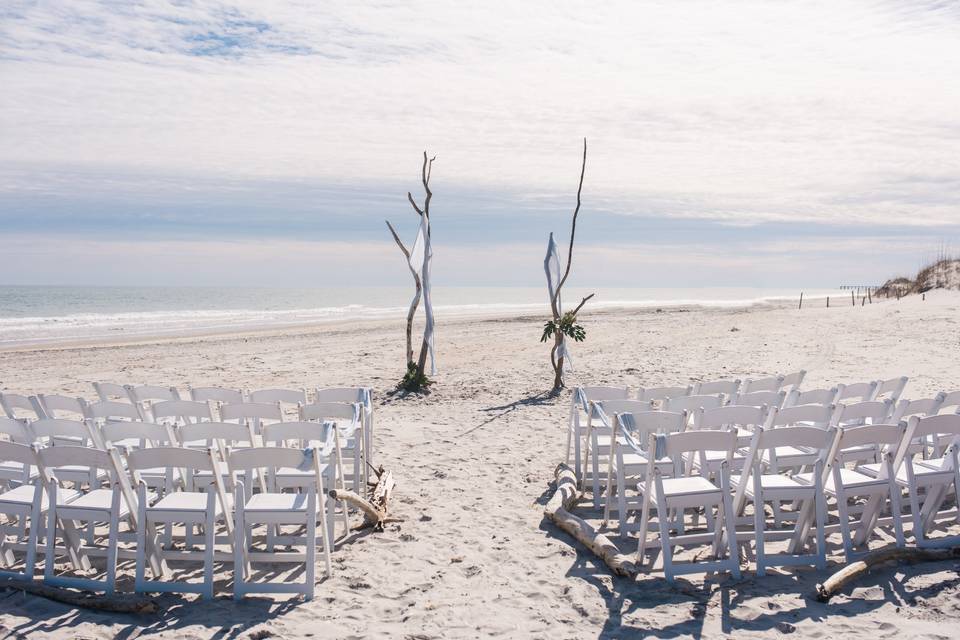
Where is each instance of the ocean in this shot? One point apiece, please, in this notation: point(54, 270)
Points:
point(45, 315)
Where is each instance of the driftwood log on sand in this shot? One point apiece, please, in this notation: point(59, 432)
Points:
point(375, 509)
point(133, 603)
point(558, 511)
point(832, 585)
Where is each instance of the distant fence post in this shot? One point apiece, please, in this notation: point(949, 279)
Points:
point(869, 296)
point(801, 301)
point(828, 302)
point(853, 299)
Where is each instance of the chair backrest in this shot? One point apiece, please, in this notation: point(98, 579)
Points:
point(729, 416)
point(256, 411)
point(951, 403)
point(148, 433)
point(676, 444)
point(245, 462)
point(273, 396)
point(796, 436)
point(771, 383)
point(889, 435)
point(802, 415)
point(586, 395)
point(227, 434)
point(20, 453)
point(216, 394)
point(610, 408)
point(637, 427)
point(149, 393)
point(340, 394)
point(860, 391)
point(112, 411)
point(305, 434)
point(54, 428)
point(690, 404)
point(56, 406)
point(922, 407)
point(330, 411)
point(946, 425)
point(768, 399)
point(662, 393)
point(52, 458)
point(16, 430)
point(871, 412)
point(182, 411)
point(16, 405)
point(813, 396)
point(716, 387)
point(792, 381)
point(892, 388)
point(175, 461)
point(107, 391)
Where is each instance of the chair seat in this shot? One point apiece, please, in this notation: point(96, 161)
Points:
point(684, 487)
point(849, 478)
point(934, 463)
point(788, 452)
point(181, 501)
point(10, 470)
point(96, 500)
point(276, 502)
point(23, 495)
point(919, 470)
point(773, 482)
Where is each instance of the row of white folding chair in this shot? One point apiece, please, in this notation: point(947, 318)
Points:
point(146, 508)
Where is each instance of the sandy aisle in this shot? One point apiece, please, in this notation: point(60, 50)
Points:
point(475, 458)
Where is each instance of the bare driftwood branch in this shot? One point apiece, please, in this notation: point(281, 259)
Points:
point(397, 239)
point(573, 226)
point(582, 302)
point(558, 511)
point(375, 509)
point(850, 573)
point(412, 311)
point(133, 603)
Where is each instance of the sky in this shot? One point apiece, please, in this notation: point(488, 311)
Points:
point(787, 144)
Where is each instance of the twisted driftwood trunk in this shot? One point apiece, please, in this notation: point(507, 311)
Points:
point(850, 573)
point(375, 509)
point(133, 603)
point(558, 511)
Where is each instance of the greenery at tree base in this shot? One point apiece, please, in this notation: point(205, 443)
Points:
point(567, 326)
point(413, 381)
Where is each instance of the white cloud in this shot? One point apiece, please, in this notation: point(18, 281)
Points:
point(829, 112)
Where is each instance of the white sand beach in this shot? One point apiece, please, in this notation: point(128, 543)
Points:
point(474, 462)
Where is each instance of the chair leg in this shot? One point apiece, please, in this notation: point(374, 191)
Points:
point(820, 504)
point(896, 512)
point(844, 514)
point(310, 573)
point(759, 535)
point(50, 557)
point(140, 570)
point(208, 548)
point(240, 544)
point(729, 520)
point(112, 542)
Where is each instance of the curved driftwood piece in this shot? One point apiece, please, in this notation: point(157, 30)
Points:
point(832, 585)
point(558, 511)
point(375, 509)
point(132, 603)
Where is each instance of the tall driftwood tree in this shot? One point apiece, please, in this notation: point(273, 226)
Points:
point(419, 257)
point(563, 325)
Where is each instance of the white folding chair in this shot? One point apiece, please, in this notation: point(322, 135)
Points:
point(716, 387)
point(180, 412)
point(681, 492)
point(21, 407)
point(792, 381)
point(361, 395)
point(188, 506)
point(13, 473)
point(578, 423)
point(26, 503)
point(257, 414)
point(823, 397)
point(112, 392)
point(772, 383)
point(75, 433)
point(951, 403)
point(858, 392)
point(599, 439)
point(94, 505)
point(348, 436)
point(60, 406)
point(761, 486)
point(742, 420)
point(216, 394)
point(659, 394)
point(891, 389)
point(144, 396)
point(111, 412)
point(769, 399)
point(691, 404)
point(625, 464)
point(272, 508)
point(288, 399)
point(861, 413)
point(842, 483)
point(935, 477)
point(321, 438)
